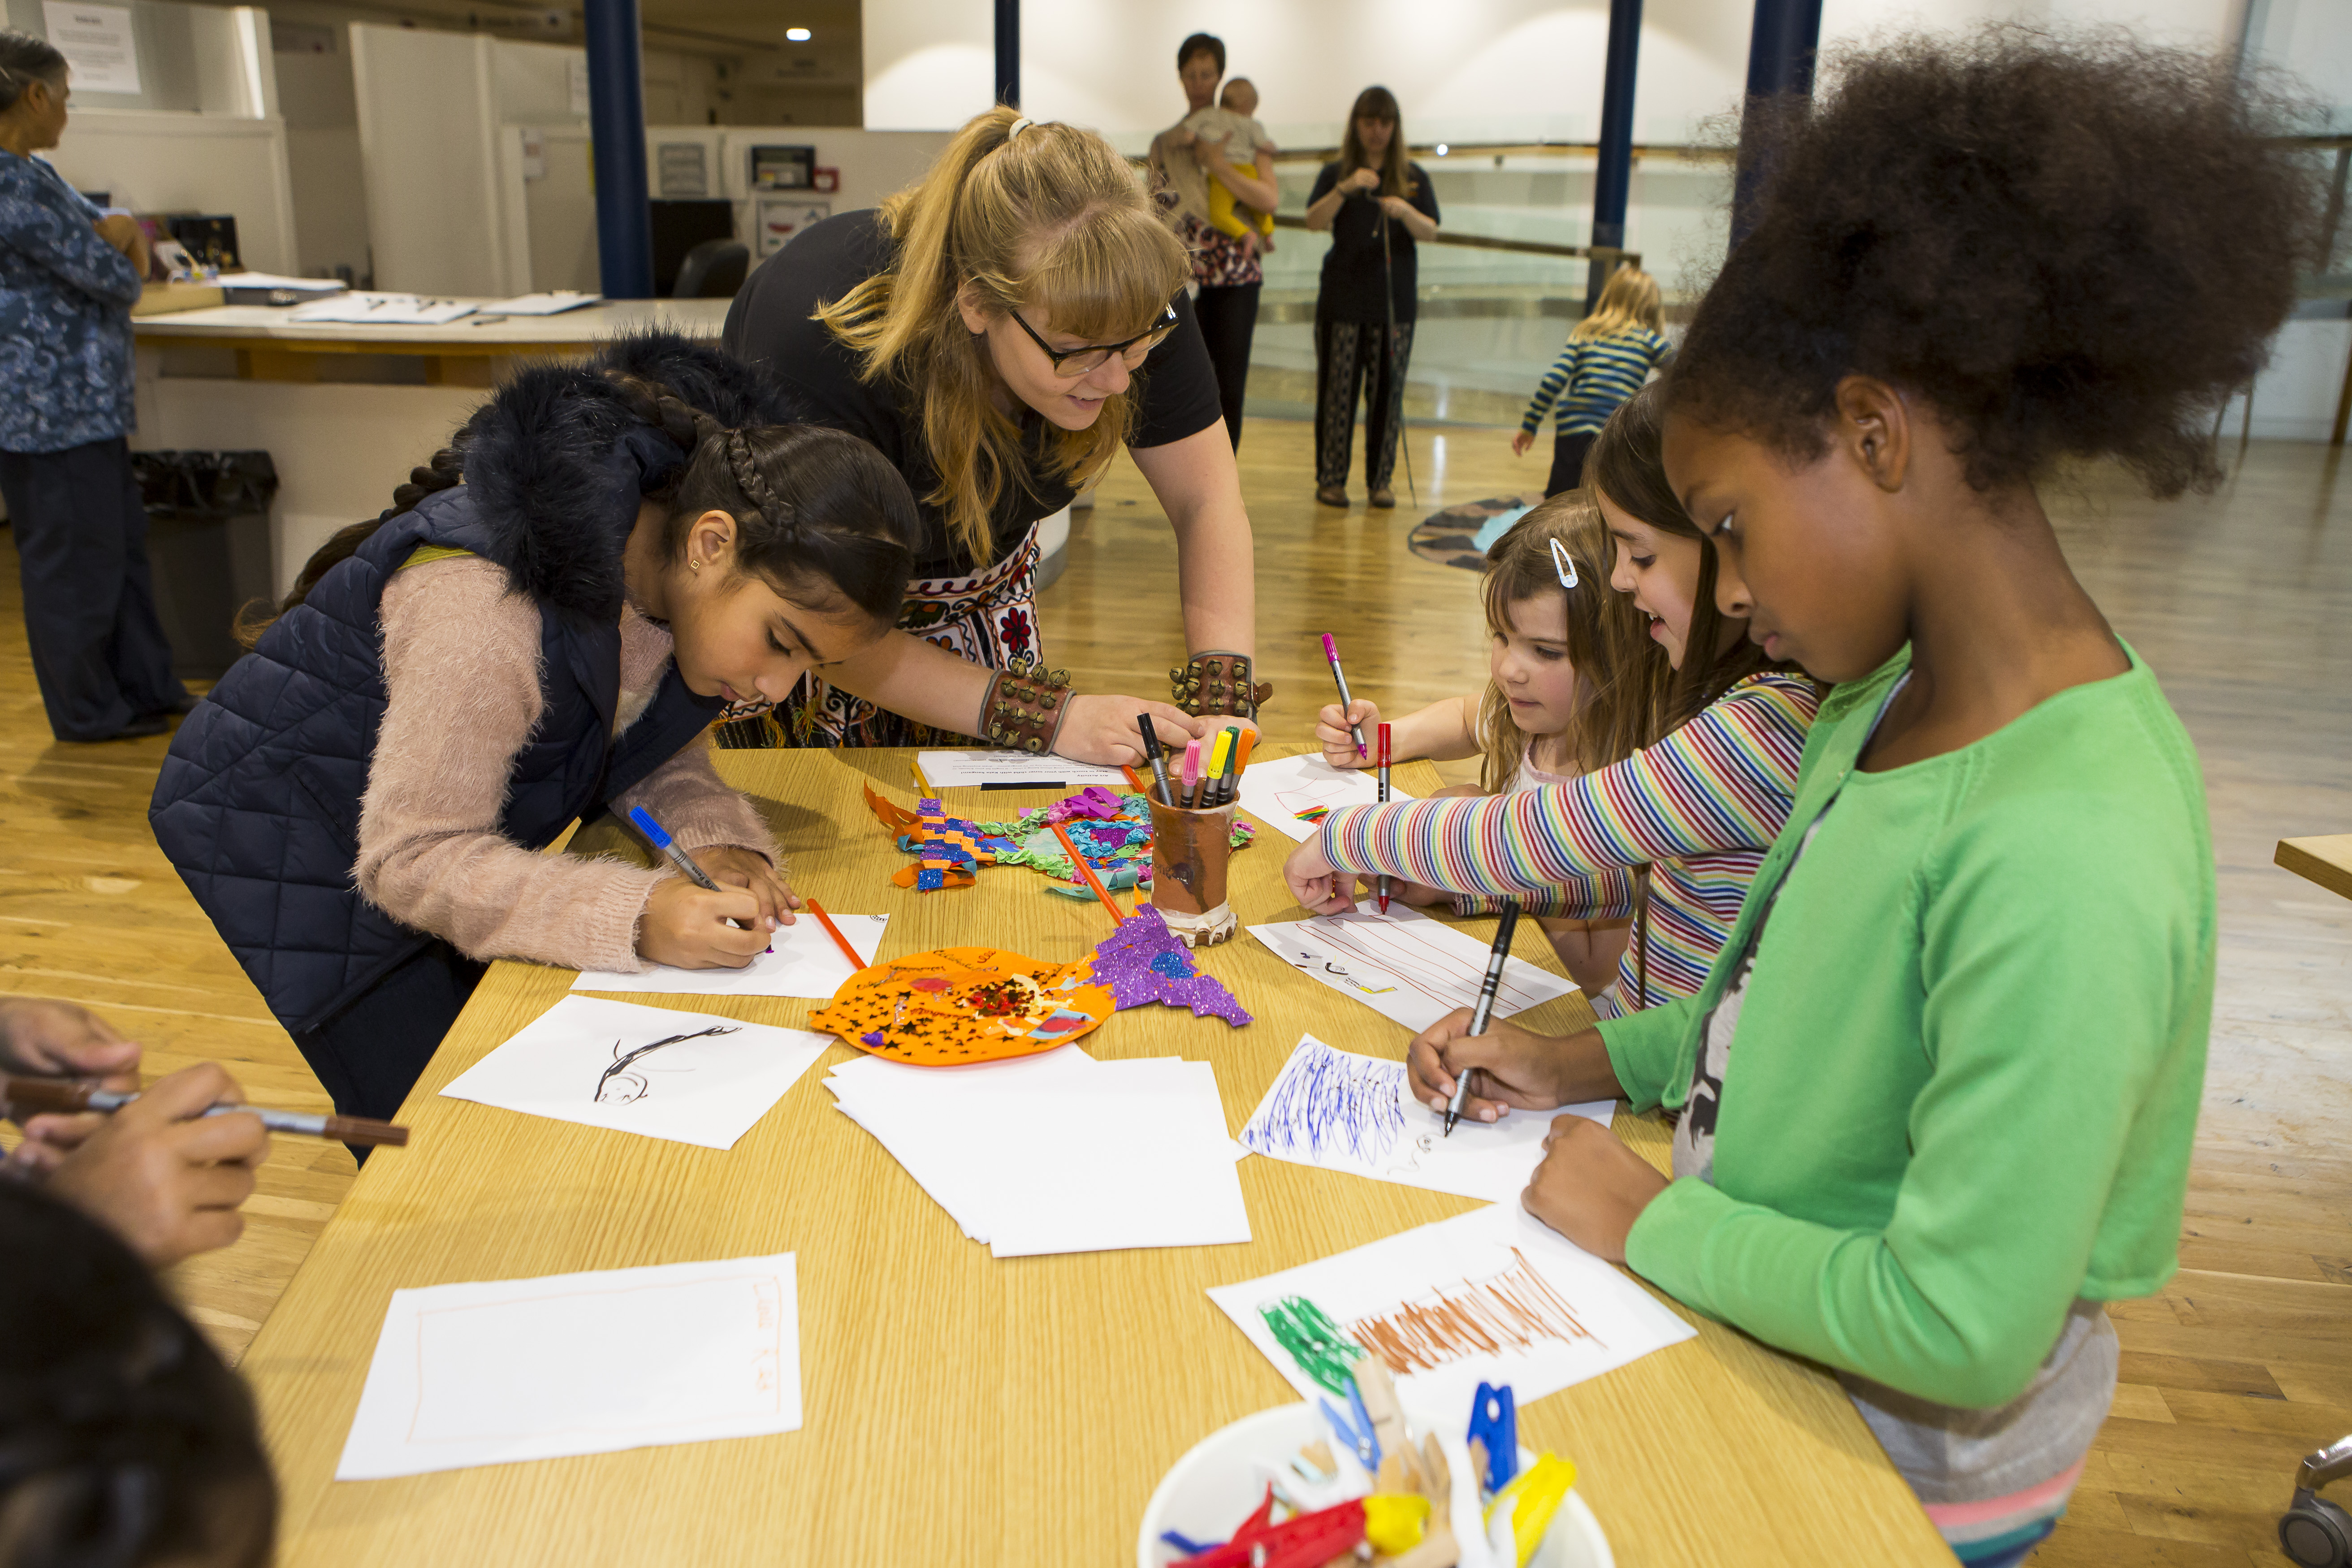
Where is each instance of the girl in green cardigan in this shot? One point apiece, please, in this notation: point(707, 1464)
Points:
point(1938, 1091)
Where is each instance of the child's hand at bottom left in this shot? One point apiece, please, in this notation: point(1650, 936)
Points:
point(749, 869)
point(1590, 1188)
point(689, 927)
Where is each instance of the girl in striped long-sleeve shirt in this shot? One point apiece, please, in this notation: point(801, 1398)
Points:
point(1699, 807)
point(1609, 356)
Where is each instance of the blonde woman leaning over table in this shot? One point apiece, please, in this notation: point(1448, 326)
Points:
point(998, 331)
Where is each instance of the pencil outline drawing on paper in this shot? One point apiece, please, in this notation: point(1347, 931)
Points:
point(1510, 1311)
point(1444, 977)
point(642, 1082)
point(1331, 1101)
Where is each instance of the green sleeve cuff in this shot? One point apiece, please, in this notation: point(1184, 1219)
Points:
point(1667, 1244)
point(1645, 1047)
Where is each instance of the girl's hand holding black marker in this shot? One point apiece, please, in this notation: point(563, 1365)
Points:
point(1517, 1069)
point(1101, 729)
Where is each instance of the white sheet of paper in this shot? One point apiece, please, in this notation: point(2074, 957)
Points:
point(1342, 1111)
point(969, 770)
point(1404, 964)
point(279, 280)
point(1275, 790)
point(490, 1372)
point(1492, 1296)
point(574, 1063)
point(1058, 1153)
point(801, 961)
point(549, 304)
point(376, 309)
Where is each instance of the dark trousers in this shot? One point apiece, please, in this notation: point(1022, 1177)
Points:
point(1568, 462)
point(370, 1055)
point(99, 652)
point(1228, 320)
point(1349, 358)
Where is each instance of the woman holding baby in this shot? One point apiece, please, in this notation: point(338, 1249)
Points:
point(1213, 174)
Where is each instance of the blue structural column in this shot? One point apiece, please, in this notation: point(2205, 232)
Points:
point(1615, 177)
point(1780, 54)
point(616, 131)
point(1008, 52)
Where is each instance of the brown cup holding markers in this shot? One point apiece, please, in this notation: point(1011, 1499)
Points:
point(1190, 852)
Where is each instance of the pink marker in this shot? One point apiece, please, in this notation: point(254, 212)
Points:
point(1192, 773)
point(1331, 652)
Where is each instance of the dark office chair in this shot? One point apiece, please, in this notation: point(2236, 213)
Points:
point(712, 270)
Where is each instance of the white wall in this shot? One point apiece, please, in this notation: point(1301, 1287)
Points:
point(189, 162)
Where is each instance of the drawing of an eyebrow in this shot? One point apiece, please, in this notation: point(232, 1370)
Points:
point(621, 1063)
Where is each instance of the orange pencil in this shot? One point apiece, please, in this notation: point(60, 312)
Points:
point(833, 930)
point(1088, 871)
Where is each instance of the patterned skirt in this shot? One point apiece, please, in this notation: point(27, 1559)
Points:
point(988, 618)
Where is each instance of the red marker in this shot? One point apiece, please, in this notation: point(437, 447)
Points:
point(1384, 800)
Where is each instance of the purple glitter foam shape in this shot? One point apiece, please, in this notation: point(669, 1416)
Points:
point(1143, 961)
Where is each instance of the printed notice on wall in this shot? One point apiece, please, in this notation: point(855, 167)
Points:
point(578, 80)
point(95, 42)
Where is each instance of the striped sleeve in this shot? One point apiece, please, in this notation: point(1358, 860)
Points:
point(1603, 896)
point(1547, 391)
point(1721, 782)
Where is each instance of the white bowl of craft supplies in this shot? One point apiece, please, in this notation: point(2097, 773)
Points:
point(1215, 1486)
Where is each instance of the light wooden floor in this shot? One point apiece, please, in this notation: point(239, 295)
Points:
point(2240, 600)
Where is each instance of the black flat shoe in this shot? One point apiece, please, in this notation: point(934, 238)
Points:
point(1332, 495)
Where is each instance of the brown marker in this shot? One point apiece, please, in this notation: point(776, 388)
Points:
point(31, 1095)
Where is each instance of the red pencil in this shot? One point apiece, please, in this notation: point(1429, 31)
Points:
point(1088, 871)
point(833, 931)
point(1135, 779)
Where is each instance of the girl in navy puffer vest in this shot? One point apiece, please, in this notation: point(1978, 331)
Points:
point(545, 624)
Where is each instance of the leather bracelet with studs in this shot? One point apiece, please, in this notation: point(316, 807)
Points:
point(1025, 706)
point(1218, 682)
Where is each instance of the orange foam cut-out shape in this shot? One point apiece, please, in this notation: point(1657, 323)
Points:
point(962, 1004)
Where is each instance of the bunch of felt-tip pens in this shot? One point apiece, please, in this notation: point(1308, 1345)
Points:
point(1209, 775)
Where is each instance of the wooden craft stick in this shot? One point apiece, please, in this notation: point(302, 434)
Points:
point(1088, 871)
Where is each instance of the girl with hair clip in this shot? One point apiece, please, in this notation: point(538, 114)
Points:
point(998, 331)
point(543, 625)
point(1573, 685)
point(1698, 805)
point(124, 1439)
point(1940, 1087)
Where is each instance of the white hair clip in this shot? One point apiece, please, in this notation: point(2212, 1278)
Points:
point(1018, 127)
point(1563, 565)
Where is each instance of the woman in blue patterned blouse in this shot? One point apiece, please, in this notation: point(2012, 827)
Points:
point(69, 276)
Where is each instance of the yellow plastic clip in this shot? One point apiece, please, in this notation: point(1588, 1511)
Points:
point(1394, 1523)
point(1533, 1498)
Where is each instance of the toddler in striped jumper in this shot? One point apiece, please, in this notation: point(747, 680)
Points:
point(1696, 805)
point(1608, 356)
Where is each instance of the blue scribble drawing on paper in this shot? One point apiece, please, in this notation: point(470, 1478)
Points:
point(1330, 1101)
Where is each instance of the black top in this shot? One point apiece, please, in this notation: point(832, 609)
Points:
point(772, 324)
point(1351, 268)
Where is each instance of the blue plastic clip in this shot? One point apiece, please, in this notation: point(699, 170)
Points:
point(1494, 1420)
point(1361, 1439)
point(1187, 1545)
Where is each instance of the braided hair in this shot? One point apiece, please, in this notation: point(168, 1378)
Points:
point(812, 505)
point(126, 1441)
point(24, 60)
point(817, 511)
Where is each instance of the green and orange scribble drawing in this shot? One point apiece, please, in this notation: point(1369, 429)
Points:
point(1320, 1347)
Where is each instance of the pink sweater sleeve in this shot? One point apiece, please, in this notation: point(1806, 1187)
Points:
point(696, 808)
point(461, 670)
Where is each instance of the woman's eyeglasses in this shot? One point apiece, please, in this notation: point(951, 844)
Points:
point(1094, 356)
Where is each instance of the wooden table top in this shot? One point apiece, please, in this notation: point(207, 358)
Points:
point(2326, 861)
point(959, 1409)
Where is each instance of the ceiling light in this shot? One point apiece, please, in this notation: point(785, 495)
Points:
point(797, 34)
point(1441, 149)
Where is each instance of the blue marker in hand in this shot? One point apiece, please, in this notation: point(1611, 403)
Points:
point(677, 857)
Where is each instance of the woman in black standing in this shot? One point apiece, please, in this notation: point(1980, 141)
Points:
point(1378, 206)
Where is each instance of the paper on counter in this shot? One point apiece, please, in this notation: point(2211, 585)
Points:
point(1059, 1152)
point(1342, 1111)
point(543, 304)
point(969, 770)
point(801, 961)
point(1492, 1296)
point(375, 309)
point(1277, 789)
point(584, 1061)
point(1405, 965)
point(491, 1372)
